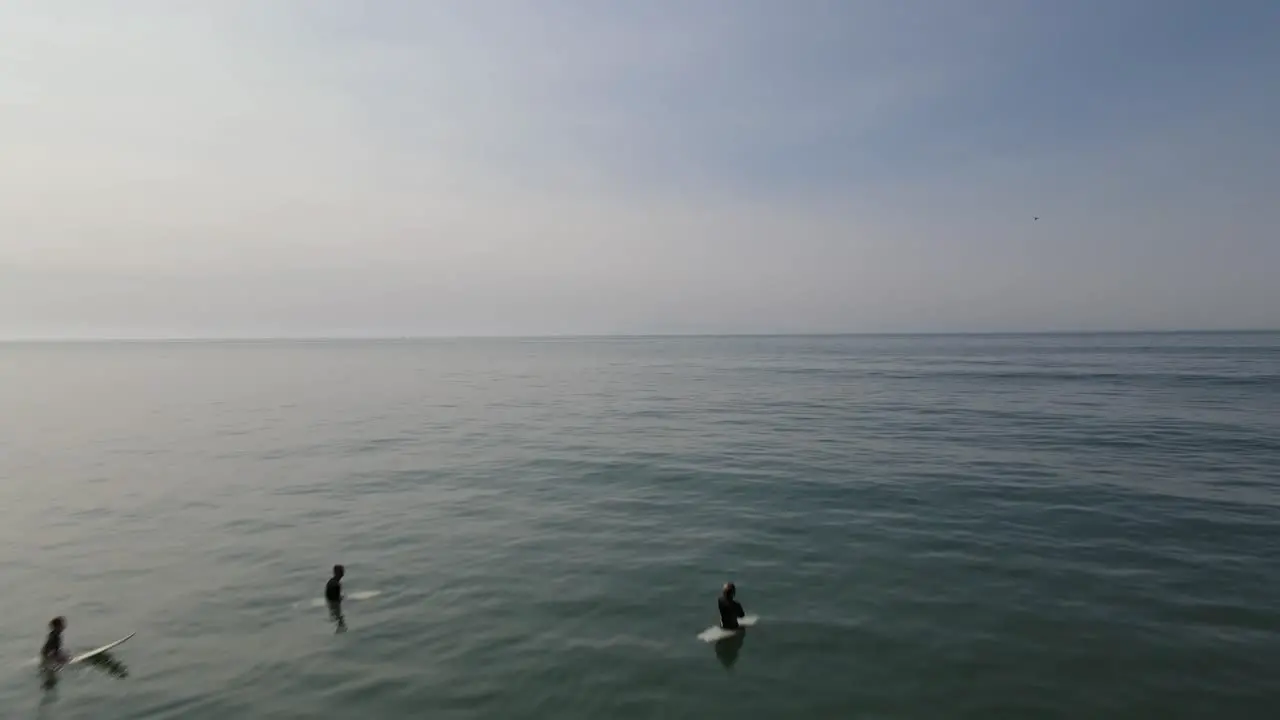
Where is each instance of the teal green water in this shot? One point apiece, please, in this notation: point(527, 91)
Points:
point(928, 527)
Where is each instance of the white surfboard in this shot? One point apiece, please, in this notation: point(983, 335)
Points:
point(358, 595)
point(715, 633)
point(97, 651)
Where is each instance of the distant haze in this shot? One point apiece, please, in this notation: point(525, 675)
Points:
point(477, 167)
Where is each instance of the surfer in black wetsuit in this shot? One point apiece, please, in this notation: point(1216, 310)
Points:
point(333, 589)
point(52, 652)
point(333, 595)
point(730, 610)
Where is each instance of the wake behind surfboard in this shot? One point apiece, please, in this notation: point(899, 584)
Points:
point(715, 633)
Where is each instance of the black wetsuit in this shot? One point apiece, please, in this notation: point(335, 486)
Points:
point(52, 649)
point(333, 590)
point(730, 611)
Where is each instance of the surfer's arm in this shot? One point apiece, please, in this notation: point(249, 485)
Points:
point(737, 608)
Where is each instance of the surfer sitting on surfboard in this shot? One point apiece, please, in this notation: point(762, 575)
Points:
point(52, 652)
point(333, 588)
point(730, 610)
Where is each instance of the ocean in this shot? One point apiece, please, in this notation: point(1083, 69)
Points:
point(1017, 526)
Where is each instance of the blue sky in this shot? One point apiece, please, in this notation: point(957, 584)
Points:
point(502, 167)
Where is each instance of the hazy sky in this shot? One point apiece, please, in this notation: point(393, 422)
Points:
point(319, 167)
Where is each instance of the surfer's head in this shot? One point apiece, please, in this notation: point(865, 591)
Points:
point(729, 590)
point(58, 624)
point(339, 571)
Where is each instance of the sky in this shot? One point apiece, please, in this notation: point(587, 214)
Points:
point(266, 168)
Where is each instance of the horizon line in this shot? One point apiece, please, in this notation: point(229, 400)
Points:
point(607, 336)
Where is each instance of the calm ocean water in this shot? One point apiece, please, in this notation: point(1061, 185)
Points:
point(929, 527)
